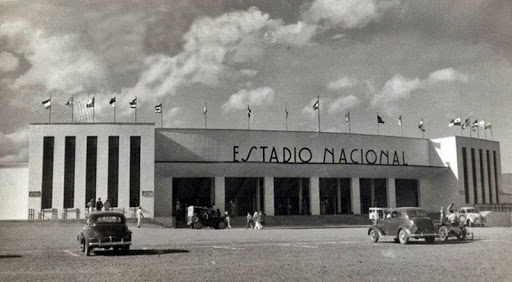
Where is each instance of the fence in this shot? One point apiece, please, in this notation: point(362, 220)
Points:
point(48, 214)
point(495, 207)
point(68, 213)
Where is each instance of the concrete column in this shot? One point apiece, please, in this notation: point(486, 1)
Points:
point(338, 194)
point(314, 195)
point(102, 168)
point(355, 195)
point(58, 174)
point(35, 169)
point(123, 200)
point(391, 191)
point(220, 194)
point(269, 195)
point(80, 163)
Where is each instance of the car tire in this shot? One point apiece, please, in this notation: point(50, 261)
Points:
point(88, 248)
point(461, 236)
point(374, 235)
point(402, 237)
point(195, 219)
point(463, 219)
point(430, 240)
point(221, 225)
point(198, 225)
point(443, 233)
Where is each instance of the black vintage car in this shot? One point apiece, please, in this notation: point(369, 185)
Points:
point(403, 224)
point(105, 230)
point(197, 217)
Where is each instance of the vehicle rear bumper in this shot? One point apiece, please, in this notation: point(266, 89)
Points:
point(109, 243)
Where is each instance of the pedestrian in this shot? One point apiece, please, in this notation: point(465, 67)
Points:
point(249, 220)
point(91, 206)
point(140, 215)
point(256, 218)
point(228, 219)
point(99, 204)
point(178, 210)
point(442, 216)
point(106, 205)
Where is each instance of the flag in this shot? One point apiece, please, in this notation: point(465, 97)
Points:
point(133, 104)
point(286, 111)
point(400, 120)
point(113, 102)
point(379, 119)
point(347, 117)
point(481, 123)
point(454, 122)
point(248, 111)
point(488, 125)
point(158, 109)
point(69, 102)
point(465, 124)
point(421, 126)
point(89, 103)
point(205, 110)
point(475, 125)
point(317, 103)
point(47, 103)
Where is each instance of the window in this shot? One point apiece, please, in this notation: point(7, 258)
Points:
point(47, 182)
point(134, 171)
point(90, 168)
point(69, 172)
point(113, 170)
point(465, 172)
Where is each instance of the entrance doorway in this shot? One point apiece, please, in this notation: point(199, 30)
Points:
point(406, 193)
point(335, 196)
point(291, 196)
point(373, 193)
point(190, 192)
point(243, 195)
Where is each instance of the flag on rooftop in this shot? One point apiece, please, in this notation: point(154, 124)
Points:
point(158, 109)
point(205, 109)
point(481, 123)
point(465, 124)
point(400, 120)
point(249, 111)
point(379, 119)
point(90, 103)
point(347, 117)
point(421, 126)
point(69, 102)
point(474, 125)
point(133, 103)
point(47, 103)
point(113, 101)
point(488, 125)
point(454, 122)
point(286, 111)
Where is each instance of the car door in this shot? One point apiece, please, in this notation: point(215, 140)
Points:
point(392, 223)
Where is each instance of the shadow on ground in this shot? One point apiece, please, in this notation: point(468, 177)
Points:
point(9, 256)
point(149, 252)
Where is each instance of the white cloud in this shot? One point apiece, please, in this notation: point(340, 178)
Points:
point(343, 103)
point(298, 34)
point(347, 13)
point(394, 90)
point(8, 62)
point(342, 82)
point(56, 61)
point(448, 75)
point(14, 146)
point(254, 97)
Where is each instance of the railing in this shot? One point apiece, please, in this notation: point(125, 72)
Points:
point(31, 214)
point(495, 207)
point(54, 213)
point(70, 211)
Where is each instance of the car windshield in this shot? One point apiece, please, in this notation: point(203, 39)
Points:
point(108, 220)
point(417, 213)
point(472, 211)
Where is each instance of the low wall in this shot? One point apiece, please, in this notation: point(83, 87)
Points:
point(498, 219)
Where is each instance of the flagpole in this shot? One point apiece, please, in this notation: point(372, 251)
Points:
point(50, 112)
point(72, 107)
point(162, 115)
point(93, 107)
point(135, 109)
point(115, 106)
point(485, 132)
point(378, 124)
point(205, 112)
point(492, 137)
point(318, 99)
point(401, 126)
point(248, 118)
point(349, 123)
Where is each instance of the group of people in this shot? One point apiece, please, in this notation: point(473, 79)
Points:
point(255, 221)
point(450, 216)
point(98, 205)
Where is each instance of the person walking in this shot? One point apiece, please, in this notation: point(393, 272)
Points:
point(139, 215)
point(249, 220)
point(106, 205)
point(256, 218)
point(91, 206)
point(228, 219)
point(99, 204)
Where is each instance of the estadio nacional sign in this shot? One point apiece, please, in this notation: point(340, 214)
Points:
point(272, 154)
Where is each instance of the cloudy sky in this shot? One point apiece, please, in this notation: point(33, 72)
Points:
point(434, 60)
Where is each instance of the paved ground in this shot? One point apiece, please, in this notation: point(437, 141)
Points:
point(49, 251)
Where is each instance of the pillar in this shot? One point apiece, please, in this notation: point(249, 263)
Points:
point(355, 195)
point(391, 193)
point(220, 193)
point(80, 164)
point(123, 198)
point(314, 195)
point(58, 173)
point(268, 186)
point(102, 169)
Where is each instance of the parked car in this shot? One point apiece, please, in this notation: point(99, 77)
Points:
point(402, 224)
point(197, 217)
point(471, 216)
point(105, 230)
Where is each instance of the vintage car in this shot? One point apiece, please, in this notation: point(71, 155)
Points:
point(402, 224)
point(471, 216)
point(105, 230)
point(197, 217)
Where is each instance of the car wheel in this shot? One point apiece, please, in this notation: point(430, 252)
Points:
point(374, 235)
point(430, 240)
point(195, 219)
point(402, 237)
point(461, 236)
point(443, 233)
point(469, 234)
point(463, 219)
point(88, 248)
point(198, 225)
point(221, 225)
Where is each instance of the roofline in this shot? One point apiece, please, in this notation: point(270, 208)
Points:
point(93, 123)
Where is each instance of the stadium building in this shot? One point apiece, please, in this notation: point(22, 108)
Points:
point(281, 173)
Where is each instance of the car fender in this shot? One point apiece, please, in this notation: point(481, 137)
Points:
point(404, 227)
point(378, 229)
